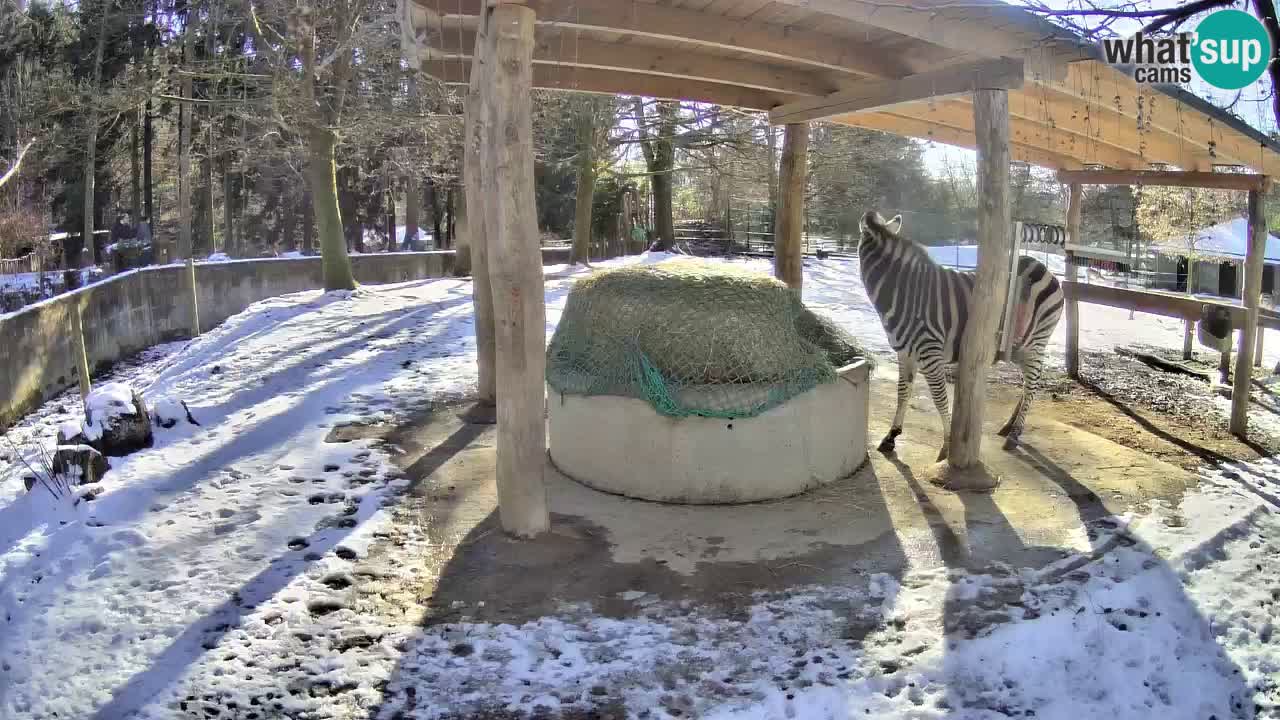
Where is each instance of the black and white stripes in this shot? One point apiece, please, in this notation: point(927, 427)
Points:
point(924, 307)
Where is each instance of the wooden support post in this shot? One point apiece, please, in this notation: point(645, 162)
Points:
point(1010, 302)
point(515, 268)
point(195, 298)
point(1188, 336)
point(1257, 347)
point(471, 254)
point(1252, 299)
point(1074, 205)
point(1224, 365)
point(82, 354)
point(991, 123)
point(788, 257)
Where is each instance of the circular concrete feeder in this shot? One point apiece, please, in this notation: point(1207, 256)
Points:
point(622, 445)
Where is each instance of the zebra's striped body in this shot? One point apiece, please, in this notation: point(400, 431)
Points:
point(924, 308)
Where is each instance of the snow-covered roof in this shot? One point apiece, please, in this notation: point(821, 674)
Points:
point(1228, 240)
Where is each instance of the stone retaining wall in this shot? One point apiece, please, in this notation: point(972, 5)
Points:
point(135, 310)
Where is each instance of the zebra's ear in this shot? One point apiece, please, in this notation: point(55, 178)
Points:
point(895, 225)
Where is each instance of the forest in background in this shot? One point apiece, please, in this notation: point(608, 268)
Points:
point(222, 120)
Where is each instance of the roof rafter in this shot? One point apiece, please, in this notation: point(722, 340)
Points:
point(697, 28)
point(1004, 73)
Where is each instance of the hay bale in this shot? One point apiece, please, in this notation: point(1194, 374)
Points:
point(693, 338)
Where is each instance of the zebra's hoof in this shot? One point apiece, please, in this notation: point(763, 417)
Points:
point(942, 455)
point(886, 445)
point(1011, 442)
point(1004, 431)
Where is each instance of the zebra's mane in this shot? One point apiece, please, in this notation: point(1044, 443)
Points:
point(910, 250)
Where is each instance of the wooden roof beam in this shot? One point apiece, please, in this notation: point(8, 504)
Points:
point(1103, 124)
point(1004, 74)
point(999, 30)
point(455, 71)
point(911, 127)
point(564, 50)
point(1099, 84)
point(775, 42)
point(1195, 179)
point(958, 115)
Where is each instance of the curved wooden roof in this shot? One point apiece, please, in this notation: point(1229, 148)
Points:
point(901, 67)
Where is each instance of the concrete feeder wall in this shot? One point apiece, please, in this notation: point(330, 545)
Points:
point(622, 445)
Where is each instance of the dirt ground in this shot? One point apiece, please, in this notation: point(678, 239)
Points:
point(1092, 451)
point(1168, 416)
point(471, 570)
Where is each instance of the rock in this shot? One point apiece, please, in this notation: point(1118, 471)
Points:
point(29, 481)
point(80, 464)
point(71, 432)
point(117, 420)
point(168, 413)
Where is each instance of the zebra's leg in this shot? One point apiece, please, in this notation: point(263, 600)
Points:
point(906, 376)
point(935, 373)
point(1032, 366)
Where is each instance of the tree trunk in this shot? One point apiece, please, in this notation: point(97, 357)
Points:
point(986, 305)
point(518, 290)
point(412, 206)
point(771, 138)
point(228, 207)
point(664, 225)
point(288, 224)
point(148, 142)
point(474, 234)
point(1075, 204)
point(207, 202)
point(391, 213)
point(788, 254)
point(135, 173)
point(185, 219)
point(322, 167)
point(580, 252)
point(451, 212)
point(308, 224)
point(1252, 296)
point(437, 211)
point(659, 156)
point(91, 144)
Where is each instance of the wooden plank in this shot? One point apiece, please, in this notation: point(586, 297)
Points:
point(977, 346)
point(1004, 73)
point(1158, 303)
point(788, 254)
point(998, 30)
point(709, 31)
point(568, 51)
point(1239, 425)
point(511, 224)
point(455, 71)
point(1075, 205)
point(1168, 178)
point(1031, 132)
point(1103, 125)
point(915, 127)
point(1095, 83)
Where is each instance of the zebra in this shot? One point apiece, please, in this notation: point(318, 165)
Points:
point(923, 308)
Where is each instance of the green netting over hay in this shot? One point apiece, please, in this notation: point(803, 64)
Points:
point(693, 338)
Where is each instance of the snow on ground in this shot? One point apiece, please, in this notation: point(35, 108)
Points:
point(208, 575)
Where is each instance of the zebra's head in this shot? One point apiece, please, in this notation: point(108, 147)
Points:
point(878, 230)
